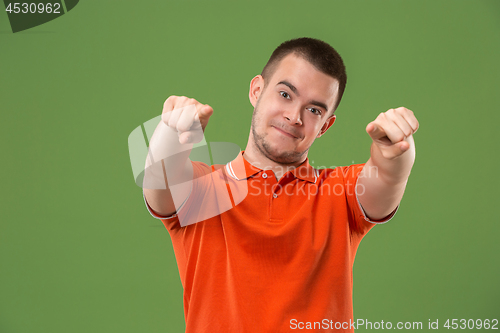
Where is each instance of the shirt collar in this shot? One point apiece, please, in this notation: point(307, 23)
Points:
point(240, 169)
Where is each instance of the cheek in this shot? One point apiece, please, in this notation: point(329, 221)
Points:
point(313, 131)
point(275, 101)
point(268, 111)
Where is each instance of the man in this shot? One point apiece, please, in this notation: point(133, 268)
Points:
point(279, 256)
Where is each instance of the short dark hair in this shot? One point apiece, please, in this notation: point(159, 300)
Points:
point(320, 54)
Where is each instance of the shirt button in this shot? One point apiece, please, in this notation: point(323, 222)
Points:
point(264, 175)
point(275, 195)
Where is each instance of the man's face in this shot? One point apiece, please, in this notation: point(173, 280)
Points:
point(292, 111)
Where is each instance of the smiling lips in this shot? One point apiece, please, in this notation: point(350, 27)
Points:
point(285, 133)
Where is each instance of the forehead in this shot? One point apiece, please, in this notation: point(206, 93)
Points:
point(306, 78)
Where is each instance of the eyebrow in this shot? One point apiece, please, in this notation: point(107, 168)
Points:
point(295, 91)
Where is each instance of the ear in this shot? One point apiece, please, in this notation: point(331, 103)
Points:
point(256, 87)
point(329, 122)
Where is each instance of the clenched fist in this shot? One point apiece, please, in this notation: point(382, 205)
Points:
point(392, 131)
point(187, 116)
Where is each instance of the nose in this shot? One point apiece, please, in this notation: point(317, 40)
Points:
point(293, 116)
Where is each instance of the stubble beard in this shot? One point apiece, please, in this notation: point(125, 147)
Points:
point(273, 154)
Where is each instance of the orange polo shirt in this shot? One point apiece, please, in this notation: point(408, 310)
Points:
point(269, 256)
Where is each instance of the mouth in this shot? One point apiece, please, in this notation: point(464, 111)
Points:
point(285, 133)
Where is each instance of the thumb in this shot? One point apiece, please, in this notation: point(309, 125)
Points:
point(395, 150)
point(403, 145)
point(205, 112)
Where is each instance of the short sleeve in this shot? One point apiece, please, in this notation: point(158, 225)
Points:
point(156, 215)
point(199, 170)
point(351, 175)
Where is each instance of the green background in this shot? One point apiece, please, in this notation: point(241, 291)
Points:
point(80, 253)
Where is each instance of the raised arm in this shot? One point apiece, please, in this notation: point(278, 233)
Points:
point(183, 122)
point(383, 179)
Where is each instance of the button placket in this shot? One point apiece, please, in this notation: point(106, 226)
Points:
point(277, 212)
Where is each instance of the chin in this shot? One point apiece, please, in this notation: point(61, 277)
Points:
point(281, 155)
point(271, 149)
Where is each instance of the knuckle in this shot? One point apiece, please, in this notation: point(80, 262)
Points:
point(180, 127)
point(199, 106)
point(169, 99)
point(170, 122)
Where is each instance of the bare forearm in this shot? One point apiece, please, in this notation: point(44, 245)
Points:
point(168, 170)
point(386, 180)
point(167, 164)
point(382, 182)
point(167, 157)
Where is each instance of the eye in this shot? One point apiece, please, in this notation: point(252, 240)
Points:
point(284, 94)
point(315, 111)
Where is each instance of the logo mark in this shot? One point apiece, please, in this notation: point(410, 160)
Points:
point(214, 193)
point(28, 14)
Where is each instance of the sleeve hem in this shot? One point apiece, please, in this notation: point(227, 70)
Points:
point(382, 221)
point(160, 217)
